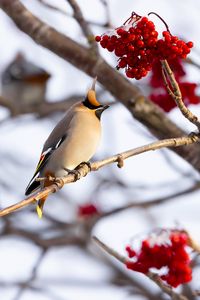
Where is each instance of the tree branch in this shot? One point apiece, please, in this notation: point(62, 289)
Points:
point(149, 203)
point(65, 13)
point(141, 108)
point(154, 277)
point(83, 170)
point(175, 93)
point(42, 109)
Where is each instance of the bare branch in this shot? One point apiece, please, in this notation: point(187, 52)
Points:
point(149, 203)
point(78, 15)
point(143, 110)
point(110, 251)
point(65, 13)
point(175, 93)
point(154, 277)
point(42, 109)
point(192, 243)
point(192, 62)
point(106, 6)
point(83, 170)
point(54, 8)
point(26, 284)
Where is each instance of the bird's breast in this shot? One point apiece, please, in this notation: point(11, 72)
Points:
point(82, 140)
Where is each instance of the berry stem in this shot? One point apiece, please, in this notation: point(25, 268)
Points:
point(130, 19)
point(157, 15)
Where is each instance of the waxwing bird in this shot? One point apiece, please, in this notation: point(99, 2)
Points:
point(74, 140)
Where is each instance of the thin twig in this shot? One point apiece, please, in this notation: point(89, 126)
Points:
point(192, 62)
point(107, 11)
point(55, 8)
point(175, 93)
point(150, 203)
point(26, 284)
point(78, 15)
point(84, 169)
point(148, 113)
point(192, 243)
point(154, 277)
point(65, 13)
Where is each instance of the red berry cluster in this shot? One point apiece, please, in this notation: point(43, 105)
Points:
point(88, 210)
point(171, 254)
point(137, 45)
point(160, 95)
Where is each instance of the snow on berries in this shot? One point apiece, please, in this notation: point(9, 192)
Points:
point(137, 45)
point(167, 248)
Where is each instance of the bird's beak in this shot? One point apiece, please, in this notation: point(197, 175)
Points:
point(105, 107)
point(101, 108)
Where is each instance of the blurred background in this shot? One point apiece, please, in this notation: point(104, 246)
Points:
point(54, 258)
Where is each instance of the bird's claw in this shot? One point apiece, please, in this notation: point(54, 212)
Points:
point(88, 163)
point(59, 182)
point(56, 180)
point(76, 173)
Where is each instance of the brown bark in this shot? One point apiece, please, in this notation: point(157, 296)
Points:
point(90, 63)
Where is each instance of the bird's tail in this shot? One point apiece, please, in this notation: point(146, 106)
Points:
point(40, 205)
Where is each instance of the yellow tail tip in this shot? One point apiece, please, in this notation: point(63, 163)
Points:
point(39, 211)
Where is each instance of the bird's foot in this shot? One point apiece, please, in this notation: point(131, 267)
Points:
point(56, 180)
point(59, 182)
point(76, 173)
point(88, 163)
point(50, 178)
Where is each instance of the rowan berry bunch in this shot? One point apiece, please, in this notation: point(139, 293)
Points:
point(137, 45)
point(88, 210)
point(166, 249)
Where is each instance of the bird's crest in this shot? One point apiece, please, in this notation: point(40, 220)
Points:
point(91, 95)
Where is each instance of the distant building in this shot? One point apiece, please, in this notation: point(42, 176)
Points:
point(23, 83)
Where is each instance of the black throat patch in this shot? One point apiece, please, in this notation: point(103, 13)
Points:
point(89, 105)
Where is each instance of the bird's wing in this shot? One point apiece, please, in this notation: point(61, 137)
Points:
point(59, 130)
point(55, 139)
point(42, 162)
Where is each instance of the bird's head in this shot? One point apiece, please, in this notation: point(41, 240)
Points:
point(92, 103)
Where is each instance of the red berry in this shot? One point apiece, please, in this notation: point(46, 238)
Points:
point(140, 44)
point(190, 44)
point(154, 33)
point(131, 48)
point(97, 38)
point(129, 73)
point(113, 38)
point(150, 25)
point(144, 20)
point(174, 39)
point(87, 210)
point(103, 43)
point(122, 63)
point(132, 30)
point(121, 31)
point(130, 251)
point(131, 37)
point(105, 37)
